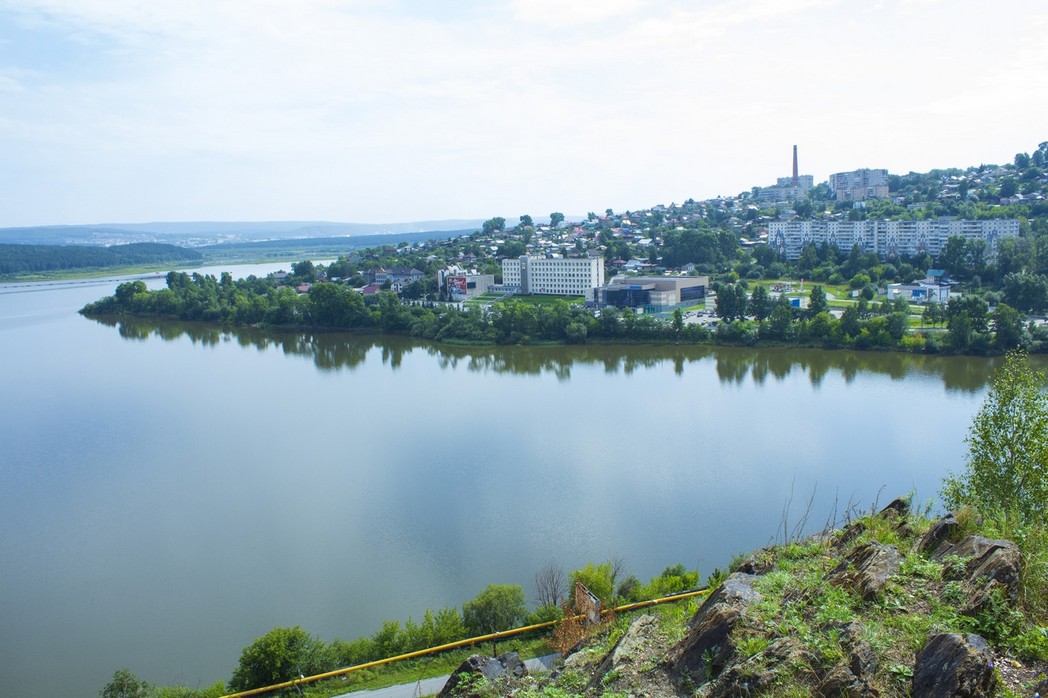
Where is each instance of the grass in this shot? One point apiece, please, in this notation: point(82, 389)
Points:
point(413, 670)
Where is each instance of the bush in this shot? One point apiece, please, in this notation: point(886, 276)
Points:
point(1007, 447)
point(498, 607)
point(1006, 476)
point(278, 656)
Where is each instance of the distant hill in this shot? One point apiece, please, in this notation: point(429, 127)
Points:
point(29, 259)
point(195, 234)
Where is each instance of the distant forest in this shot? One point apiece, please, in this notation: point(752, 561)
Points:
point(22, 259)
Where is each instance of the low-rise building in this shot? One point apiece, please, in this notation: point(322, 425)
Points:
point(653, 293)
point(934, 288)
point(460, 285)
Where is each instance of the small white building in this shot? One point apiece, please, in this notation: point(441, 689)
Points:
point(935, 288)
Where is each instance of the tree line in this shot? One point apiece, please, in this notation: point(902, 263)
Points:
point(285, 653)
point(337, 306)
point(20, 259)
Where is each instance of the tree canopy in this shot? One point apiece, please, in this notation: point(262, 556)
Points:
point(1007, 465)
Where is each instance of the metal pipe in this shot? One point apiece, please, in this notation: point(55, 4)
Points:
point(459, 643)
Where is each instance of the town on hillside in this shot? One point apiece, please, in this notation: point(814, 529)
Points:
point(949, 260)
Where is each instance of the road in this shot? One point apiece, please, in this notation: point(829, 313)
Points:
point(425, 687)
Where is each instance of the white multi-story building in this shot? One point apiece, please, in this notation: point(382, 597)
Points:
point(887, 238)
point(860, 184)
point(559, 277)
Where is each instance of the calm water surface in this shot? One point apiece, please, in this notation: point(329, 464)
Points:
point(171, 492)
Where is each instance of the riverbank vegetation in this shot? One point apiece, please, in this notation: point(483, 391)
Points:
point(299, 301)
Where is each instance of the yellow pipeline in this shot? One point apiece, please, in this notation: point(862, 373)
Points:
point(453, 645)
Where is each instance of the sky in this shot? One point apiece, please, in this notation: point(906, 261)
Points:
point(127, 111)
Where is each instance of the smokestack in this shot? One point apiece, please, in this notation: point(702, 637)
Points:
point(796, 179)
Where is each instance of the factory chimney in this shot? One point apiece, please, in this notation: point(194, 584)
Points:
point(795, 178)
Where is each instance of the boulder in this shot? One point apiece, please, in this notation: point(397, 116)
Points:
point(638, 636)
point(971, 546)
point(840, 682)
point(953, 665)
point(943, 531)
point(760, 562)
point(1001, 563)
point(852, 678)
point(991, 565)
point(758, 674)
point(706, 647)
point(866, 569)
point(897, 508)
point(462, 683)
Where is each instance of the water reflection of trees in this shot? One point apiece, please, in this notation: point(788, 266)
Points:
point(336, 351)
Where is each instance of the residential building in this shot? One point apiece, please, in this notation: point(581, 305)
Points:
point(858, 185)
point(653, 293)
point(887, 238)
point(398, 277)
point(559, 277)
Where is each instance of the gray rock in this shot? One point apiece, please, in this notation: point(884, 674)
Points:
point(760, 562)
point(703, 652)
point(841, 682)
point(461, 684)
point(897, 508)
point(866, 569)
point(1000, 563)
point(952, 665)
point(971, 546)
point(943, 531)
point(758, 674)
point(638, 635)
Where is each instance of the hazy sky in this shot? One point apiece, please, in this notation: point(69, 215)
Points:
point(370, 111)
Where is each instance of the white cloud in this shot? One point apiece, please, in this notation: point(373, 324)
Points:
point(557, 13)
point(321, 108)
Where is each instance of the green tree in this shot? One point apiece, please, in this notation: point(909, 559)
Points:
point(555, 219)
point(1007, 465)
point(125, 685)
point(526, 221)
point(494, 225)
point(1007, 323)
point(278, 656)
point(498, 607)
point(678, 322)
point(817, 302)
point(599, 579)
point(760, 303)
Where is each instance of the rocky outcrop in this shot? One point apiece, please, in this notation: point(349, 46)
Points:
point(760, 562)
point(851, 678)
point(944, 531)
point(627, 667)
point(629, 646)
point(952, 665)
point(866, 569)
point(757, 674)
point(991, 567)
point(706, 648)
point(463, 682)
